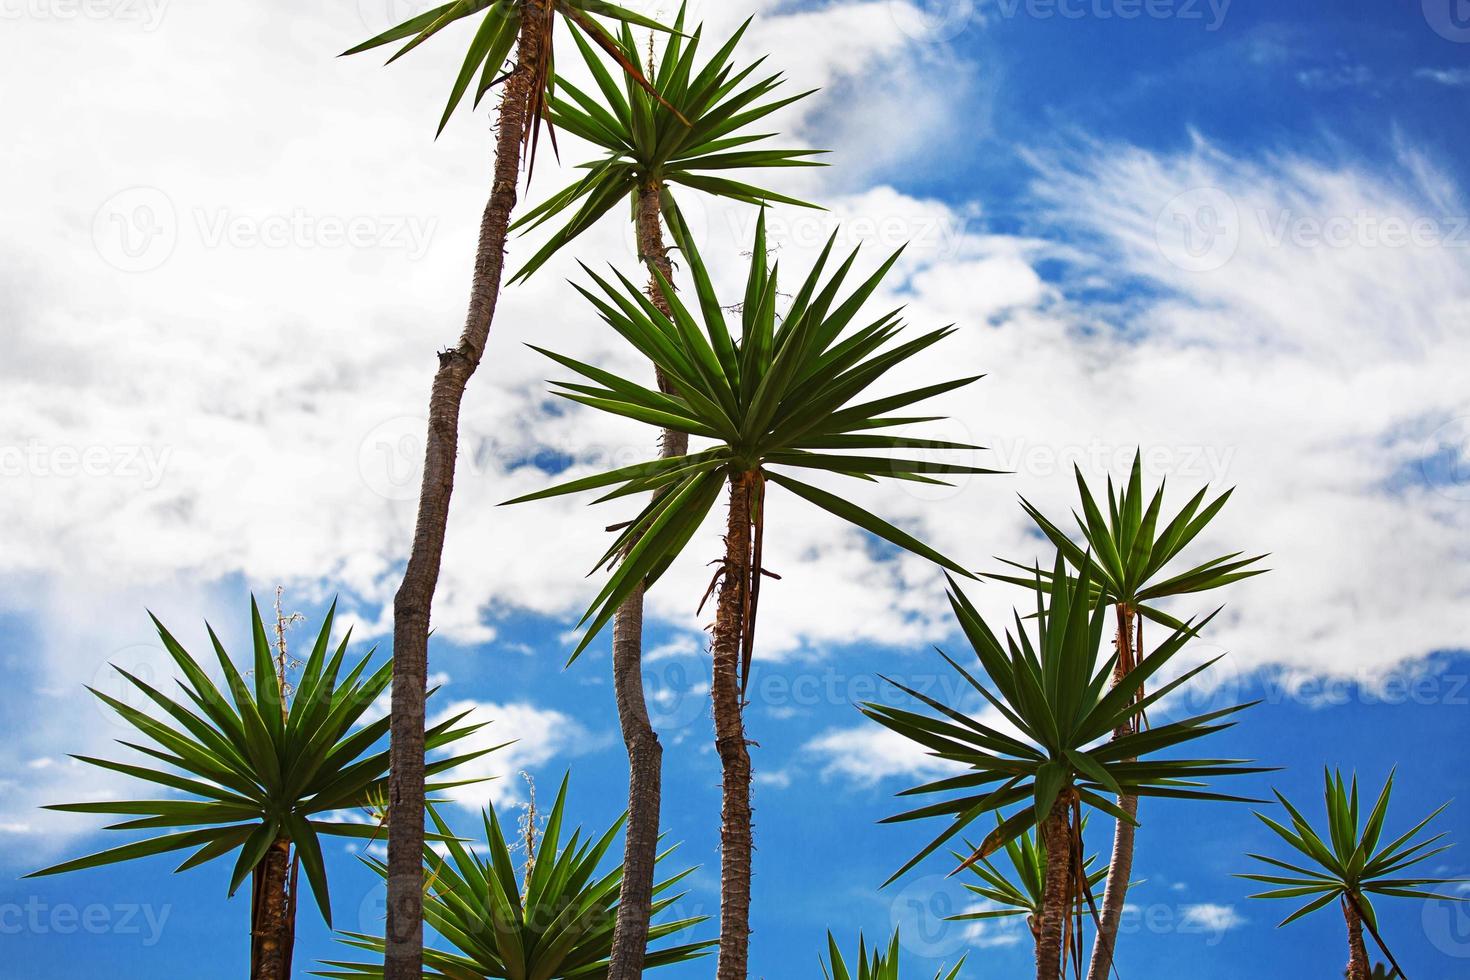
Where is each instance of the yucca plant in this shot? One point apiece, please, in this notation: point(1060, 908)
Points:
point(553, 921)
point(1054, 692)
point(527, 28)
point(261, 774)
point(1127, 553)
point(698, 127)
point(874, 964)
point(1349, 866)
point(1021, 892)
point(779, 397)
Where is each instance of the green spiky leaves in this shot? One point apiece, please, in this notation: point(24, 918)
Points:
point(486, 62)
point(1052, 694)
point(1349, 861)
point(556, 922)
point(779, 398)
point(696, 130)
point(1127, 548)
point(247, 773)
point(872, 964)
point(1020, 892)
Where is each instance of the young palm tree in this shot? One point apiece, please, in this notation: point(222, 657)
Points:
point(874, 965)
point(526, 27)
point(1350, 867)
point(777, 398)
point(1126, 554)
point(694, 131)
point(555, 922)
point(261, 775)
point(698, 127)
point(1023, 895)
point(1053, 693)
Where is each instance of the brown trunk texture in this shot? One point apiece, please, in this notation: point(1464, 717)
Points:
point(270, 919)
point(1120, 867)
point(412, 604)
point(1054, 903)
point(1358, 967)
point(735, 836)
point(645, 754)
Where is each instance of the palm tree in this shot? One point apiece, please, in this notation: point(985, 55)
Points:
point(874, 965)
point(697, 128)
point(261, 775)
point(694, 131)
point(1023, 895)
point(1126, 554)
point(555, 922)
point(1349, 866)
point(526, 27)
point(777, 398)
point(1055, 696)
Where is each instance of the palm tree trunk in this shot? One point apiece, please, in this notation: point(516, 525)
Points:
point(270, 923)
point(1054, 901)
point(1120, 867)
point(1357, 968)
point(645, 754)
point(412, 604)
point(735, 836)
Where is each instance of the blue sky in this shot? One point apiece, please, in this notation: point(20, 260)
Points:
point(1164, 231)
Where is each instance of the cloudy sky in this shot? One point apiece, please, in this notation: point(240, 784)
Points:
point(1233, 235)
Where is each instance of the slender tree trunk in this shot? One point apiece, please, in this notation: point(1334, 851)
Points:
point(735, 836)
point(1357, 968)
point(291, 896)
point(270, 921)
point(1054, 903)
point(412, 604)
point(645, 754)
point(1120, 867)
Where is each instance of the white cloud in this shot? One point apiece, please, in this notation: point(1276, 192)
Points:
point(538, 736)
point(871, 753)
point(1454, 77)
point(1209, 917)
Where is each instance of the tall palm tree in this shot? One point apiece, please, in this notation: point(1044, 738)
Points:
point(261, 773)
point(1054, 698)
point(874, 964)
point(1349, 866)
point(691, 135)
point(1126, 554)
point(527, 28)
point(555, 922)
point(778, 397)
point(1022, 892)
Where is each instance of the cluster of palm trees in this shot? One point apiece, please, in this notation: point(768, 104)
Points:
point(776, 384)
